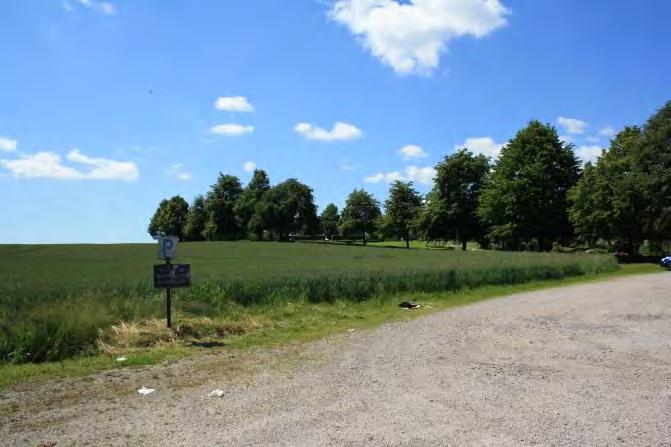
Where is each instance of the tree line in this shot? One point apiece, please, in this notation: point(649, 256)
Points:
point(534, 196)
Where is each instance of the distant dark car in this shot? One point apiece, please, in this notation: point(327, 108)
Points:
point(666, 262)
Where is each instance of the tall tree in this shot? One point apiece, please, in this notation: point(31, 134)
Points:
point(402, 209)
point(459, 179)
point(170, 218)
point(220, 200)
point(245, 207)
point(524, 199)
point(288, 208)
point(196, 220)
point(609, 202)
point(655, 167)
point(329, 220)
point(360, 214)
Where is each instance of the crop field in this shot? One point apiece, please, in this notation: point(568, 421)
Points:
point(60, 301)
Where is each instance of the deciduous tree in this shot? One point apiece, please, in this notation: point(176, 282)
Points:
point(402, 209)
point(360, 214)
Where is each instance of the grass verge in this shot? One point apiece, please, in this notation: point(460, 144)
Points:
point(288, 322)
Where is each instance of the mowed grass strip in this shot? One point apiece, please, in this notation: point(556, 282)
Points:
point(61, 301)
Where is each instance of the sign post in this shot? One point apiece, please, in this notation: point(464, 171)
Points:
point(168, 276)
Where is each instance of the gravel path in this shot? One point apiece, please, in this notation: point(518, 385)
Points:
point(574, 366)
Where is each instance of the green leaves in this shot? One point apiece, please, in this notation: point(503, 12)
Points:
point(525, 198)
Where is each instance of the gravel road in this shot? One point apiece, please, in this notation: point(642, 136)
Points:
point(575, 366)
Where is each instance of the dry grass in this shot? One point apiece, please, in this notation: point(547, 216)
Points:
point(129, 335)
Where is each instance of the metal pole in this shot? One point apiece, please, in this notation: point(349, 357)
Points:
point(167, 304)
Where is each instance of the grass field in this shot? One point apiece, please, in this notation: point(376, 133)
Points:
point(61, 301)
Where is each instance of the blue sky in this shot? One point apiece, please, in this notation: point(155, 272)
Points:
point(107, 107)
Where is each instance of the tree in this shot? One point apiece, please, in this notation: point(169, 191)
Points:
point(655, 170)
point(459, 179)
point(196, 220)
point(245, 206)
point(524, 199)
point(170, 218)
point(329, 220)
point(220, 200)
point(360, 214)
point(609, 200)
point(402, 209)
point(288, 208)
point(586, 211)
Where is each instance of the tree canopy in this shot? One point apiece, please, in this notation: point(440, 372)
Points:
point(524, 199)
point(360, 215)
point(402, 208)
point(170, 218)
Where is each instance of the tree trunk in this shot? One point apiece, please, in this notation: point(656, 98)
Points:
point(464, 242)
point(364, 238)
point(407, 240)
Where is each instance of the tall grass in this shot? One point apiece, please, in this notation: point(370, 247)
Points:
point(48, 321)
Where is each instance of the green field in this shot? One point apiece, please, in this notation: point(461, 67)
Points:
point(60, 301)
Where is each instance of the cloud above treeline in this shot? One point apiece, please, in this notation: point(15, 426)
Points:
point(411, 35)
point(83, 167)
point(339, 132)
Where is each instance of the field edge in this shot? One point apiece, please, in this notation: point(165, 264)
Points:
point(362, 316)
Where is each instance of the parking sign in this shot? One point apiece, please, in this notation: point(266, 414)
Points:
point(167, 247)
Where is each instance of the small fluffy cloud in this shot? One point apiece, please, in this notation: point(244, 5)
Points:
point(411, 151)
point(233, 104)
point(249, 166)
point(50, 165)
point(422, 175)
point(8, 144)
point(481, 145)
point(607, 132)
point(572, 126)
point(339, 132)
point(102, 7)
point(232, 130)
point(588, 152)
point(410, 35)
point(177, 171)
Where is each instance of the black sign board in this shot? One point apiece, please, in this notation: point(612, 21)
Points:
point(171, 276)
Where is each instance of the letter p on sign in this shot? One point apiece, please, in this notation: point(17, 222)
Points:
point(167, 247)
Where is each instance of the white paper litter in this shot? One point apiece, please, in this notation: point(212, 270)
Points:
point(351, 330)
point(121, 359)
point(218, 392)
point(144, 390)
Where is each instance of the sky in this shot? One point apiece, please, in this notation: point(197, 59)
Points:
point(108, 107)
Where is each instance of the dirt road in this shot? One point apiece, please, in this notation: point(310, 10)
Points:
point(581, 365)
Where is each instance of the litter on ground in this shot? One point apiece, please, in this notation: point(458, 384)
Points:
point(145, 391)
point(407, 305)
point(121, 359)
point(218, 393)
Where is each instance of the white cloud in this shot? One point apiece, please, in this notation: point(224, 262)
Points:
point(422, 175)
point(233, 104)
point(411, 151)
point(232, 130)
point(572, 126)
point(50, 165)
point(347, 167)
point(410, 35)
point(339, 132)
point(8, 144)
point(588, 152)
point(607, 132)
point(101, 7)
point(566, 139)
point(177, 171)
point(481, 145)
point(249, 166)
